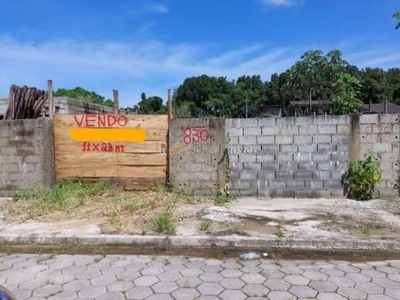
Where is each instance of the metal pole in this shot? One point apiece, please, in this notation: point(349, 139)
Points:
point(51, 100)
point(116, 102)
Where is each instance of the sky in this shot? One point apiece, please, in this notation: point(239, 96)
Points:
point(149, 46)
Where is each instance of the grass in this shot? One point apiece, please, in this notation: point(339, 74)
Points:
point(280, 233)
point(220, 199)
point(205, 225)
point(365, 229)
point(164, 224)
point(123, 210)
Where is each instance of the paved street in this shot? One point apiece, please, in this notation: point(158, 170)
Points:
point(155, 278)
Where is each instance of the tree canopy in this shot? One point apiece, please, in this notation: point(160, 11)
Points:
point(84, 95)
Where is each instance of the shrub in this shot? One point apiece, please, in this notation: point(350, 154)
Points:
point(362, 176)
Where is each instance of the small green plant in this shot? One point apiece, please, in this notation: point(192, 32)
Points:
point(365, 229)
point(362, 177)
point(280, 233)
point(205, 225)
point(220, 199)
point(163, 224)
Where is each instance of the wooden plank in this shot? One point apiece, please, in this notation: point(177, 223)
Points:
point(63, 134)
point(145, 147)
point(113, 159)
point(100, 171)
point(137, 183)
point(131, 121)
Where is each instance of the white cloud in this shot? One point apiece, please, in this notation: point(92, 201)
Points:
point(151, 67)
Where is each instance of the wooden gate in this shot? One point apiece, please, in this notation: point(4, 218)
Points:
point(129, 150)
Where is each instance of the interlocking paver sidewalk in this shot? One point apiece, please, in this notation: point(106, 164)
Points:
point(40, 277)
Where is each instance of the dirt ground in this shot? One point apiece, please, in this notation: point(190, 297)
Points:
point(313, 218)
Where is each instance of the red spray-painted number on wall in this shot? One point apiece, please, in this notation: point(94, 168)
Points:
point(195, 135)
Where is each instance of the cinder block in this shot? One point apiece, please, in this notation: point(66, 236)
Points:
point(295, 184)
point(325, 148)
point(322, 175)
point(248, 175)
point(270, 130)
point(269, 149)
point(284, 139)
point(388, 118)
point(302, 139)
point(340, 139)
point(315, 184)
point(267, 121)
point(289, 130)
point(208, 168)
point(265, 158)
point(324, 157)
point(337, 175)
point(267, 193)
point(303, 175)
point(284, 193)
point(308, 166)
point(284, 157)
point(341, 120)
point(389, 175)
point(327, 166)
point(9, 167)
point(288, 166)
point(343, 147)
point(266, 139)
point(337, 193)
point(321, 193)
point(307, 130)
point(232, 131)
point(326, 129)
point(288, 148)
point(247, 140)
point(382, 147)
point(276, 184)
point(303, 194)
point(332, 184)
point(369, 119)
point(304, 121)
point(308, 148)
point(270, 166)
point(323, 120)
point(340, 156)
point(248, 158)
point(282, 122)
point(253, 122)
point(244, 184)
point(248, 192)
point(388, 156)
point(233, 158)
point(388, 193)
point(263, 175)
point(343, 129)
point(234, 140)
point(284, 175)
point(252, 167)
point(252, 131)
point(8, 150)
point(303, 157)
point(322, 139)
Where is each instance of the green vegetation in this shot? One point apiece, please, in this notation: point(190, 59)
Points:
point(84, 95)
point(205, 225)
point(362, 176)
point(164, 224)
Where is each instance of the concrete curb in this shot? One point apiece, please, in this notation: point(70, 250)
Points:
point(196, 242)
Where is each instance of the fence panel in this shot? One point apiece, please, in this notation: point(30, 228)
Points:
point(129, 150)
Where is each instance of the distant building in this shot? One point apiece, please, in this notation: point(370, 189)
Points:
point(379, 108)
point(272, 110)
point(309, 108)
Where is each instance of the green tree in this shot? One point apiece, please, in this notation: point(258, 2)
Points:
point(150, 106)
point(345, 98)
point(373, 88)
point(84, 95)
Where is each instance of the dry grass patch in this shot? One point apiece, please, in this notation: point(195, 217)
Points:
point(122, 211)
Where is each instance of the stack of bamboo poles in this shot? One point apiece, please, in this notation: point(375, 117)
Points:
point(25, 103)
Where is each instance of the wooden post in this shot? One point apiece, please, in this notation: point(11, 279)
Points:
point(116, 102)
point(51, 100)
point(170, 114)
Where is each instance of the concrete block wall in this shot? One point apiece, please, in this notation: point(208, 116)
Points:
point(381, 134)
point(26, 154)
point(196, 155)
point(289, 157)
